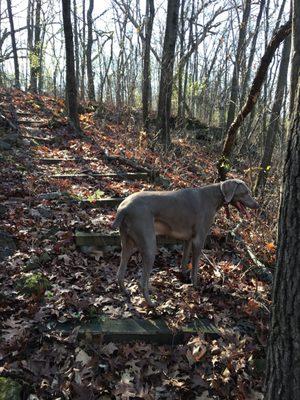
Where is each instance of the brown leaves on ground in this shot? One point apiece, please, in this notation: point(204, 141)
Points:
point(42, 221)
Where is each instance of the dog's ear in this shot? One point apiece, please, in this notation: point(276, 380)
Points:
point(228, 189)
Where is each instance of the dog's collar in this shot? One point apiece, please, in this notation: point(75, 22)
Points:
point(227, 212)
point(225, 203)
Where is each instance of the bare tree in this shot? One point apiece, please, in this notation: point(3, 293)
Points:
point(182, 31)
point(166, 77)
point(278, 37)
point(273, 128)
point(76, 42)
point(253, 49)
point(236, 73)
point(71, 86)
point(146, 87)
point(89, 65)
point(83, 57)
point(35, 55)
point(14, 45)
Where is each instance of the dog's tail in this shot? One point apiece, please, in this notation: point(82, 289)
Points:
point(119, 218)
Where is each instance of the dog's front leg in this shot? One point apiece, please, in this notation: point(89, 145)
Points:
point(187, 247)
point(197, 246)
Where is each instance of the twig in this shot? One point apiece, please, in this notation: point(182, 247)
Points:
point(253, 257)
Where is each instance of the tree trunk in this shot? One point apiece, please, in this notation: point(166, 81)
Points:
point(236, 68)
point(166, 77)
point(82, 83)
point(180, 106)
point(283, 359)
point(71, 87)
point(278, 37)
point(14, 45)
point(295, 56)
point(41, 59)
point(89, 66)
point(29, 22)
point(77, 71)
point(35, 55)
point(273, 128)
point(105, 77)
point(253, 49)
point(146, 89)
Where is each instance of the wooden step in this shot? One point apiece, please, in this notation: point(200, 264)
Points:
point(23, 113)
point(105, 202)
point(137, 329)
point(120, 175)
point(38, 138)
point(101, 240)
point(141, 171)
point(61, 160)
point(32, 122)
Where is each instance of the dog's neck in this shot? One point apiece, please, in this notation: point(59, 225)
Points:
point(215, 194)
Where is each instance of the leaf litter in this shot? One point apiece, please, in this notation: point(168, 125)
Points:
point(231, 294)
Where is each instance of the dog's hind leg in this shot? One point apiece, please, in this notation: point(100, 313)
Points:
point(148, 257)
point(146, 242)
point(142, 234)
point(197, 247)
point(128, 248)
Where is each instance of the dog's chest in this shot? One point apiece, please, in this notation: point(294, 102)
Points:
point(172, 230)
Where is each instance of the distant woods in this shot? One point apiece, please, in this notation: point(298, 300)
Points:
point(178, 62)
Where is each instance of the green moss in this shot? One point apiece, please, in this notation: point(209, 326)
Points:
point(9, 389)
point(33, 283)
point(96, 196)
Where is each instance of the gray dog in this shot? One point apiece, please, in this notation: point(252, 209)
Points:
point(185, 214)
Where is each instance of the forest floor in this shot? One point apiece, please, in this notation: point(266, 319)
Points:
point(44, 277)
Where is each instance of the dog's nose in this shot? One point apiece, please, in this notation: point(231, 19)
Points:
point(256, 205)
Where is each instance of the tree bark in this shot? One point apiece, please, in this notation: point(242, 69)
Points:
point(166, 77)
point(146, 89)
point(278, 37)
point(14, 45)
point(89, 65)
point(29, 21)
point(283, 356)
point(82, 83)
point(35, 55)
point(105, 77)
point(180, 106)
point(41, 59)
point(71, 87)
point(77, 71)
point(283, 360)
point(273, 127)
point(295, 56)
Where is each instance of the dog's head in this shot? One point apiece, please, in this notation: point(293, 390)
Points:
point(237, 193)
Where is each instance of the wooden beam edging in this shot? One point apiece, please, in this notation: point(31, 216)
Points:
point(102, 240)
point(137, 329)
point(153, 173)
point(61, 160)
point(105, 202)
point(121, 175)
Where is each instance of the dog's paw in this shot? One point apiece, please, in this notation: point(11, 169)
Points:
point(195, 283)
point(149, 302)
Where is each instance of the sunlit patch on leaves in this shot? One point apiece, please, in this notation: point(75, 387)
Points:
point(271, 247)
